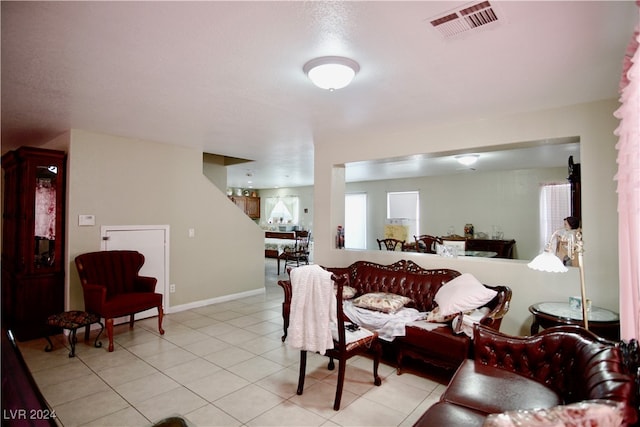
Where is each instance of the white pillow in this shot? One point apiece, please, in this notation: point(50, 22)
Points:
point(463, 293)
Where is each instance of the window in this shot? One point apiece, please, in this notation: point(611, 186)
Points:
point(403, 211)
point(282, 210)
point(555, 206)
point(355, 221)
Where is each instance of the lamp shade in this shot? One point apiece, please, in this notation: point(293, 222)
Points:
point(548, 262)
point(331, 72)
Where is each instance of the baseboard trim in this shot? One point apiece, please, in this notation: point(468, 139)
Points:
point(181, 307)
point(204, 303)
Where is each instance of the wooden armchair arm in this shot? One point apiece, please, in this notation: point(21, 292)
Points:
point(145, 284)
point(286, 287)
point(286, 304)
point(493, 319)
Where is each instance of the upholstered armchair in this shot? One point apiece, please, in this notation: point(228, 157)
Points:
point(113, 288)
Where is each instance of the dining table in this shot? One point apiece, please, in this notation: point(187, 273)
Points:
point(484, 254)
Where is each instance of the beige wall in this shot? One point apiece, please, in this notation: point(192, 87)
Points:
point(593, 123)
point(132, 182)
point(213, 168)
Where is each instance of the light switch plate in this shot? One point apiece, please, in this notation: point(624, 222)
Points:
point(84, 220)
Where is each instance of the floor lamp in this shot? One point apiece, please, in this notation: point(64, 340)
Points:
point(549, 262)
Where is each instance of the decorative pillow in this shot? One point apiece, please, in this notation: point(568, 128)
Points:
point(579, 414)
point(436, 316)
point(347, 292)
point(463, 293)
point(381, 301)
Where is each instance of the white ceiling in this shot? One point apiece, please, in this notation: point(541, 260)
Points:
point(226, 77)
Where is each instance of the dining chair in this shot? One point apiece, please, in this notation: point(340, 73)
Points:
point(348, 339)
point(427, 244)
point(299, 253)
point(390, 244)
point(459, 245)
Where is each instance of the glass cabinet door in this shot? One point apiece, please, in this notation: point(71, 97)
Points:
point(45, 216)
point(43, 182)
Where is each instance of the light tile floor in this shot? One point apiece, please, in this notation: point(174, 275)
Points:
point(219, 365)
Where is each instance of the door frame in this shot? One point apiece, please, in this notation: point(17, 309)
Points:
point(166, 228)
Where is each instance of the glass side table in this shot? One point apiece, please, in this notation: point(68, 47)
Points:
point(602, 322)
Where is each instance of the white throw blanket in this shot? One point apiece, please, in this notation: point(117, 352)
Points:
point(313, 309)
point(387, 325)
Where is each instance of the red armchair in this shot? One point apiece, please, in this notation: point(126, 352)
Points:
point(113, 288)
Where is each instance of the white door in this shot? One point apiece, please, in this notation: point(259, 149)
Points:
point(153, 242)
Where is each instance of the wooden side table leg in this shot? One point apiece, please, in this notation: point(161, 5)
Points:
point(49, 346)
point(535, 326)
point(97, 343)
point(72, 342)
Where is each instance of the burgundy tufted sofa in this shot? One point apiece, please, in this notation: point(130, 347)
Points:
point(558, 366)
point(440, 347)
point(113, 287)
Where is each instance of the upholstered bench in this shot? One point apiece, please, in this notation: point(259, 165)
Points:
point(72, 320)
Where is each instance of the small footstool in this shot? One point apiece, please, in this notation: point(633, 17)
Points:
point(72, 320)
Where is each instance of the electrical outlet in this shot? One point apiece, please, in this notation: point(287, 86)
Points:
point(172, 287)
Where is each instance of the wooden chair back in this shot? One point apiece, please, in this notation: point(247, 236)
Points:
point(390, 244)
point(427, 244)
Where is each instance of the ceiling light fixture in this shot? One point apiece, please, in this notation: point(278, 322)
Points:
point(467, 159)
point(331, 72)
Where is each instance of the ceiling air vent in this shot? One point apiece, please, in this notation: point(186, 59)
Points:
point(470, 17)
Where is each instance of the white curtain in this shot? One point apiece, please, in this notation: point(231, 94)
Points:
point(555, 206)
point(404, 205)
point(628, 178)
point(282, 209)
point(355, 221)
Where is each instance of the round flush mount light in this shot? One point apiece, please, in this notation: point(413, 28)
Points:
point(331, 72)
point(467, 159)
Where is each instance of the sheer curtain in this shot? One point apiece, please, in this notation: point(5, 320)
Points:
point(555, 206)
point(282, 209)
point(628, 177)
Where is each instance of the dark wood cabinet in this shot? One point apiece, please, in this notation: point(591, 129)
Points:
point(249, 205)
point(32, 239)
point(504, 248)
point(576, 188)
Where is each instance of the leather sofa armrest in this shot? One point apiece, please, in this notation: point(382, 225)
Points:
point(145, 284)
point(94, 296)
